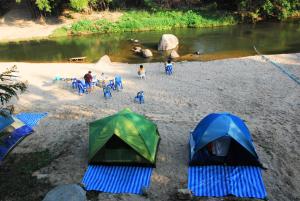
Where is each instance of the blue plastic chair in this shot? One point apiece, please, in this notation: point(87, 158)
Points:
point(106, 92)
point(169, 69)
point(111, 84)
point(81, 87)
point(118, 83)
point(139, 97)
point(74, 83)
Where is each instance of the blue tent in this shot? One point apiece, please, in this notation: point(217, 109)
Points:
point(5, 121)
point(222, 138)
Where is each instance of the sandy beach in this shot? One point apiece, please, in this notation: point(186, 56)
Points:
point(249, 87)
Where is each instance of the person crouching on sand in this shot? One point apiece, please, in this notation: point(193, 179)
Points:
point(88, 78)
point(141, 72)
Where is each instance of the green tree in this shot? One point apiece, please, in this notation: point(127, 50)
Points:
point(79, 5)
point(43, 5)
point(9, 88)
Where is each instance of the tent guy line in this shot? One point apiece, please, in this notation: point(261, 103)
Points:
point(281, 68)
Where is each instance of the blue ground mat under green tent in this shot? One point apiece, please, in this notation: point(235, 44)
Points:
point(117, 179)
point(220, 181)
point(122, 153)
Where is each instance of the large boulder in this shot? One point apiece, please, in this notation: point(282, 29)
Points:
point(174, 54)
point(67, 192)
point(168, 42)
point(147, 53)
point(105, 59)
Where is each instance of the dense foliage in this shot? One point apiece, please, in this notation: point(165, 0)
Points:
point(246, 9)
point(279, 9)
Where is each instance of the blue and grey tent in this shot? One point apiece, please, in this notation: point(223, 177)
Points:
point(222, 138)
point(5, 121)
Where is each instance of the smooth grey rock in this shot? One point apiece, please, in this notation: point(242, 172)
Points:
point(184, 194)
point(174, 54)
point(147, 53)
point(66, 192)
point(168, 42)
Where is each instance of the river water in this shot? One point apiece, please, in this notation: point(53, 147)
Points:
point(212, 43)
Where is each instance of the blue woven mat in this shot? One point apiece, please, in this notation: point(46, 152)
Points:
point(31, 119)
point(117, 179)
point(220, 181)
point(9, 142)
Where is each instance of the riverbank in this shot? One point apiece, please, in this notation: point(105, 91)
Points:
point(17, 24)
point(249, 87)
point(135, 21)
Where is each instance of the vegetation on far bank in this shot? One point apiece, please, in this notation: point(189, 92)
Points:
point(160, 15)
point(247, 9)
point(132, 21)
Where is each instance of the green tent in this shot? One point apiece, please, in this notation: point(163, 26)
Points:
point(125, 138)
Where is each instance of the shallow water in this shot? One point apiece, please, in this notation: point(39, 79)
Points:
point(212, 43)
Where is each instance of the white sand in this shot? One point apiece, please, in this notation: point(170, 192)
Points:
point(249, 87)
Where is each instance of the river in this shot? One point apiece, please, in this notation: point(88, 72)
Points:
point(212, 43)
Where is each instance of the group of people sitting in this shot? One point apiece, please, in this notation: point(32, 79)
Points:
point(90, 80)
point(168, 69)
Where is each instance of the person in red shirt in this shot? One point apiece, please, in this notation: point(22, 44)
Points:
point(88, 78)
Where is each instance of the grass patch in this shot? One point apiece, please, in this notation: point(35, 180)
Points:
point(133, 21)
point(16, 180)
point(62, 31)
